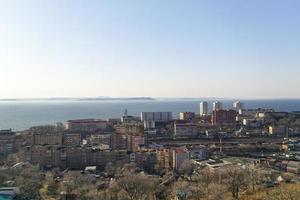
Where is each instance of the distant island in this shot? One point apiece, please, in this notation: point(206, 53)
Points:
point(120, 98)
point(81, 99)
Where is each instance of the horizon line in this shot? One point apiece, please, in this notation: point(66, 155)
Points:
point(145, 98)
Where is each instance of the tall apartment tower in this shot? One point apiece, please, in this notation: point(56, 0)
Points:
point(238, 105)
point(203, 108)
point(217, 105)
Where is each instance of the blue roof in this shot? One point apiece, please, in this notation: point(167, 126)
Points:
point(6, 197)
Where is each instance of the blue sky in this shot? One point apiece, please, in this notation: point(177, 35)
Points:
point(158, 48)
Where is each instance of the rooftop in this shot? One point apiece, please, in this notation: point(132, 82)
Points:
point(85, 120)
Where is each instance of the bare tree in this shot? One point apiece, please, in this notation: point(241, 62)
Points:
point(236, 180)
point(187, 168)
point(110, 169)
point(208, 186)
point(182, 190)
point(138, 187)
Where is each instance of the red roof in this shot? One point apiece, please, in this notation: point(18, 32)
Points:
point(181, 150)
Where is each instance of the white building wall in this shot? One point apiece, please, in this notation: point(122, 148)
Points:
point(217, 105)
point(203, 108)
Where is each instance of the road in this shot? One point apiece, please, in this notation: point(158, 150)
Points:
point(217, 141)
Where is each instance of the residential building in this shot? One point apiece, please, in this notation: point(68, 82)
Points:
point(130, 128)
point(278, 130)
point(185, 130)
point(156, 116)
point(238, 105)
point(217, 105)
point(186, 115)
point(223, 117)
point(73, 157)
point(254, 112)
point(252, 123)
point(164, 157)
point(114, 121)
point(198, 152)
point(71, 139)
point(203, 108)
point(144, 159)
point(134, 142)
point(47, 138)
point(153, 119)
point(86, 125)
point(44, 155)
point(275, 115)
point(119, 141)
point(98, 139)
point(128, 118)
point(179, 155)
point(7, 142)
point(149, 125)
point(293, 167)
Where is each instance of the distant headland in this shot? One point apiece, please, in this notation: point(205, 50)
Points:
point(80, 99)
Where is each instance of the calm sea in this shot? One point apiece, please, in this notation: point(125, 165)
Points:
point(20, 115)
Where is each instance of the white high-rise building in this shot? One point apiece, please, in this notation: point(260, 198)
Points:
point(217, 105)
point(238, 105)
point(156, 116)
point(203, 108)
point(150, 118)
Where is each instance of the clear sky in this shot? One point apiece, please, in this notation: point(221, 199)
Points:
point(158, 48)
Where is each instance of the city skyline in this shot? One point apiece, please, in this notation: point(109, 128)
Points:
point(236, 49)
point(139, 99)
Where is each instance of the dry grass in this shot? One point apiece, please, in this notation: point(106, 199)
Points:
point(262, 193)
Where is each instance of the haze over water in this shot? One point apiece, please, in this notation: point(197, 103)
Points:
point(20, 115)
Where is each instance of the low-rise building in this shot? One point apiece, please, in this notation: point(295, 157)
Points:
point(179, 155)
point(86, 125)
point(198, 152)
point(47, 138)
point(277, 130)
point(185, 130)
point(45, 156)
point(119, 141)
point(144, 159)
point(252, 123)
point(273, 114)
point(293, 167)
point(73, 157)
point(130, 128)
point(7, 142)
point(72, 139)
point(186, 115)
point(156, 116)
point(135, 142)
point(254, 113)
point(98, 139)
